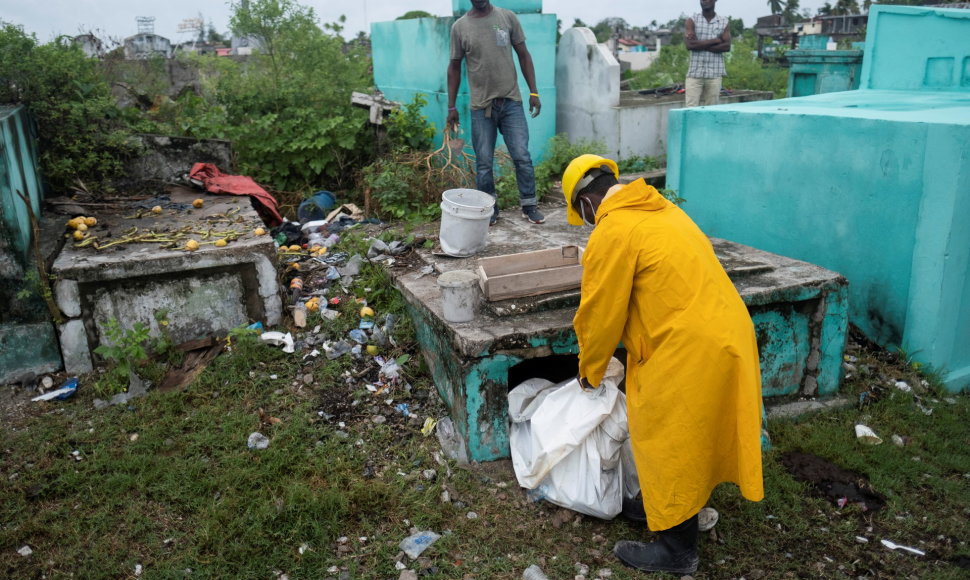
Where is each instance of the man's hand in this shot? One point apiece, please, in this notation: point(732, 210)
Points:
point(451, 123)
point(534, 106)
point(585, 384)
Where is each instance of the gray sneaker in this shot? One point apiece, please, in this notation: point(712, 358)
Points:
point(531, 213)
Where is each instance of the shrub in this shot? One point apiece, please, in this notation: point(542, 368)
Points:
point(80, 132)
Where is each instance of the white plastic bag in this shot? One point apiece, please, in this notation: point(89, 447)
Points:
point(572, 446)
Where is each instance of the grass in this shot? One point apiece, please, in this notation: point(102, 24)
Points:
point(168, 483)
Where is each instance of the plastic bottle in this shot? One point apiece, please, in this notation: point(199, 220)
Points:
point(534, 572)
point(316, 239)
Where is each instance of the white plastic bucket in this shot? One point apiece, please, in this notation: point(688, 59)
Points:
point(464, 221)
point(459, 295)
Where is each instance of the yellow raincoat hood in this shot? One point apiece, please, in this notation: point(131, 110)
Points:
point(651, 281)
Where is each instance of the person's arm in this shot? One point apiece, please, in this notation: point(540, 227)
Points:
point(607, 285)
point(454, 79)
point(529, 72)
point(724, 41)
point(690, 38)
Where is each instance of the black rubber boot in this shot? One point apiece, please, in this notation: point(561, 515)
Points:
point(675, 551)
point(633, 510)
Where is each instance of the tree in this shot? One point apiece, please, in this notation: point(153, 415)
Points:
point(845, 7)
point(79, 128)
point(415, 14)
point(776, 6)
point(287, 109)
point(213, 36)
point(605, 28)
point(790, 14)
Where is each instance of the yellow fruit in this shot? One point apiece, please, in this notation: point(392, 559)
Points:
point(191, 245)
point(371, 349)
point(259, 232)
point(366, 311)
point(295, 248)
point(313, 304)
point(81, 227)
point(90, 222)
point(220, 243)
point(78, 235)
point(72, 223)
point(157, 209)
point(197, 203)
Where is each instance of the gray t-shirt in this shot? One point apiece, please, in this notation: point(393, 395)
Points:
point(486, 45)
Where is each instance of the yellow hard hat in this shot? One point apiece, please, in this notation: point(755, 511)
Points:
point(573, 182)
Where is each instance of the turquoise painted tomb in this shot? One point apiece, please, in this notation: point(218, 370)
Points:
point(798, 309)
point(873, 183)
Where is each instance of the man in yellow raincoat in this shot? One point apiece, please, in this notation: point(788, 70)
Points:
point(693, 384)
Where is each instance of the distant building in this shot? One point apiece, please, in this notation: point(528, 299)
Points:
point(89, 44)
point(145, 45)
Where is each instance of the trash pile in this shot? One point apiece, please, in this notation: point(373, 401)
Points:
point(332, 320)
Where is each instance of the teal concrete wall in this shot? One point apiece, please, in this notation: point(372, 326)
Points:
point(29, 347)
point(874, 184)
point(937, 56)
point(813, 72)
point(411, 57)
point(459, 7)
point(18, 172)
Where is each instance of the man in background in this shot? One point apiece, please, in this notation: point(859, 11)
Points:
point(707, 38)
point(485, 38)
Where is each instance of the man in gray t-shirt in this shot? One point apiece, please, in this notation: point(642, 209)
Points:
point(485, 38)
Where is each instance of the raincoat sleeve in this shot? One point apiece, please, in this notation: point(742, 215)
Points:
point(608, 270)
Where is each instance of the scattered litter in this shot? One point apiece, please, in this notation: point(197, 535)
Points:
point(925, 410)
point(866, 435)
point(337, 349)
point(862, 539)
point(904, 386)
point(352, 267)
point(403, 409)
point(299, 315)
point(138, 569)
point(471, 515)
point(425, 271)
point(25, 551)
point(303, 548)
point(429, 425)
point(899, 440)
point(66, 391)
point(895, 546)
point(416, 543)
point(257, 441)
point(707, 519)
point(390, 369)
point(279, 339)
point(534, 572)
point(358, 336)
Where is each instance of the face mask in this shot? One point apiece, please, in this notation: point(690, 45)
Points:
point(586, 206)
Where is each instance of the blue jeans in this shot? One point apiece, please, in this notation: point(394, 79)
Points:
point(508, 117)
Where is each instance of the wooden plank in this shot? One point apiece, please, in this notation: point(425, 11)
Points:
point(530, 261)
point(533, 283)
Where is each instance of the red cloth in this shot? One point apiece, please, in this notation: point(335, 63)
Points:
point(215, 181)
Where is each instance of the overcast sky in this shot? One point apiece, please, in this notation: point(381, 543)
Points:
point(117, 18)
